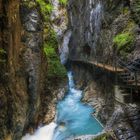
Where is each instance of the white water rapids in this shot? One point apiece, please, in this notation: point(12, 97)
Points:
point(74, 117)
point(43, 133)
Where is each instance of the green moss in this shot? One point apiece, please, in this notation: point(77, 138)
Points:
point(124, 41)
point(45, 7)
point(55, 68)
point(29, 3)
point(50, 47)
point(63, 2)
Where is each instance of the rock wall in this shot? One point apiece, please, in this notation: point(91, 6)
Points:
point(95, 25)
point(98, 89)
point(20, 67)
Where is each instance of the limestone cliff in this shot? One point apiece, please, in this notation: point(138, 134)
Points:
point(21, 61)
point(95, 24)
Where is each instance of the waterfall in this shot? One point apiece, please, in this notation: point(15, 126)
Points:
point(58, 13)
point(73, 117)
point(71, 81)
point(64, 49)
point(96, 15)
point(43, 133)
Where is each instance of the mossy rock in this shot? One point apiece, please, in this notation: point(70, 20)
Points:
point(29, 3)
point(124, 41)
point(63, 2)
point(46, 7)
point(55, 68)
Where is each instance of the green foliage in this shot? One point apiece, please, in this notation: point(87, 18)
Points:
point(55, 68)
point(63, 2)
point(29, 3)
point(124, 41)
point(46, 8)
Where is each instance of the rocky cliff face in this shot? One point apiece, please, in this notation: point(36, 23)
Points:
point(21, 69)
point(95, 24)
point(97, 29)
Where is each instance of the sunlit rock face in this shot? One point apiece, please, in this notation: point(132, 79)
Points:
point(21, 38)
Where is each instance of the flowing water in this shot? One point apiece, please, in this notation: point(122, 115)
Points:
point(96, 15)
point(64, 49)
point(43, 133)
point(74, 118)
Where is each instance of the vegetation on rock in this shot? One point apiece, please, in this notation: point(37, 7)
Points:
point(55, 68)
point(46, 7)
point(50, 47)
point(124, 41)
point(63, 2)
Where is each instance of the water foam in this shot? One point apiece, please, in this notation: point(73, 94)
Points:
point(43, 133)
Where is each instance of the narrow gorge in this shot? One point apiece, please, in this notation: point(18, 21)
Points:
point(70, 69)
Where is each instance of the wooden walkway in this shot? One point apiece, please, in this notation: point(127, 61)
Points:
point(126, 76)
point(127, 81)
point(100, 65)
